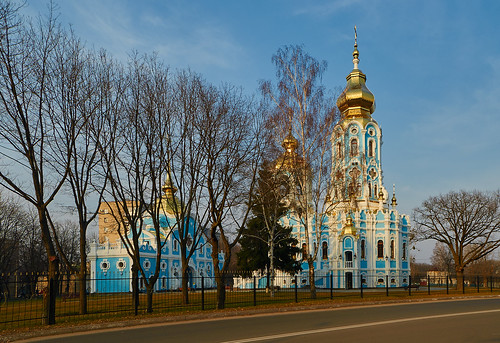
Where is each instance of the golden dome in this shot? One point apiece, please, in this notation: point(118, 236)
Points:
point(356, 100)
point(290, 158)
point(169, 202)
point(290, 143)
point(168, 188)
point(349, 228)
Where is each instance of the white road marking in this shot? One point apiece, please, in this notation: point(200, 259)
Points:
point(355, 326)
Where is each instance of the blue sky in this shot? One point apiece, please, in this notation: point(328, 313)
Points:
point(432, 65)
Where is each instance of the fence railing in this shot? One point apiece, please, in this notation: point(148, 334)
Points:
point(21, 295)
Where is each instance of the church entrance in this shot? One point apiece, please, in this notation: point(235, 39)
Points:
point(348, 280)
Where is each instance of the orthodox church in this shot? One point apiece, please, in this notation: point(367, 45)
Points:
point(110, 263)
point(364, 239)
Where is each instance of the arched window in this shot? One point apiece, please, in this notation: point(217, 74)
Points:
point(324, 250)
point(354, 147)
point(380, 249)
point(363, 248)
point(339, 149)
point(304, 252)
point(375, 194)
point(370, 148)
point(369, 189)
point(392, 248)
point(404, 250)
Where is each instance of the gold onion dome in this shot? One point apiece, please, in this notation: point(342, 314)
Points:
point(349, 228)
point(356, 100)
point(290, 143)
point(290, 159)
point(168, 188)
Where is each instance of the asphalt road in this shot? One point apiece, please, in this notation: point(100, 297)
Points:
point(475, 320)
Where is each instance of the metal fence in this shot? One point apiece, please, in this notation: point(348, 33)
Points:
point(21, 295)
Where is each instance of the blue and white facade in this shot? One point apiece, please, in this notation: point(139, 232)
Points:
point(363, 238)
point(110, 263)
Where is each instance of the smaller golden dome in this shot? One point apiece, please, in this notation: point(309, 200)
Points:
point(168, 188)
point(290, 143)
point(349, 228)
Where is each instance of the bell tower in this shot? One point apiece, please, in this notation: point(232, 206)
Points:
point(356, 144)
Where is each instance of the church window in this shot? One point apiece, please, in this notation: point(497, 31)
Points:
point(369, 189)
point(325, 250)
point(121, 264)
point(404, 250)
point(380, 249)
point(370, 148)
point(163, 282)
point(304, 252)
point(176, 245)
point(105, 265)
point(392, 248)
point(375, 191)
point(339, 149)
point(354, 147)
point(363, 248)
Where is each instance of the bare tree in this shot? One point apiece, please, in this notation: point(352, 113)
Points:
point(468, 223)
point(441, 258)
point(304, 113)
point(229, 127)
point(29, 122)
point(136, 158)
point(13, 227)
point(186, 161)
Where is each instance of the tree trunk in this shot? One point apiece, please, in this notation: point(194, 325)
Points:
point(82, 277)
point(49, 297)
point(271, 268)
point(221, 290)
point(312, 281)
point(460, 279)
point(149, 297)
point(185, 275)
point(135, 289)
point(185, 281)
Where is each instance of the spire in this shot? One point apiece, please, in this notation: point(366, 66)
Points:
point(168, 188)
point(394, 202)
point(356, 101)
point(355, 53)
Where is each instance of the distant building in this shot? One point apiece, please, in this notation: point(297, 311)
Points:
point(110, 263)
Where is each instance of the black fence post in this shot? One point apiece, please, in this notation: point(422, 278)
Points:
point(409, 285)
point(331, 285)
point(387, 285)
point(491, 284)
point(463, 284)
point(428, 284)
point(477, 283)
point(296, 297)
point(361, 285)
point(447, 286)
point(202, 292)
point(254, 291)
